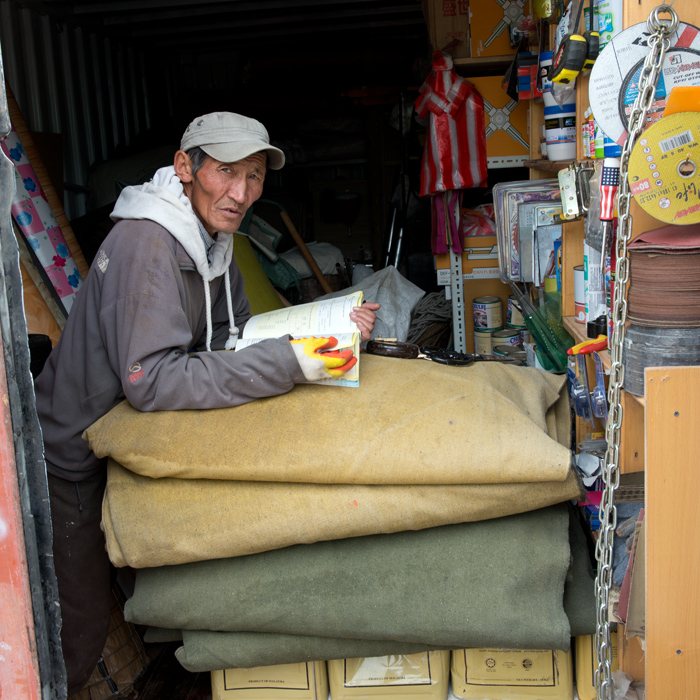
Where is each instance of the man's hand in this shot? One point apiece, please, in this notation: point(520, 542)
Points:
point(319, 361)
point(365, 317)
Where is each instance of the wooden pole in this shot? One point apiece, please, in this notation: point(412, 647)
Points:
point(305, 252)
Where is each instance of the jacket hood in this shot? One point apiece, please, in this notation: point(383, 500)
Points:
point(163, 201)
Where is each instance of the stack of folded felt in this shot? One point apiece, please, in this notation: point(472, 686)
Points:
point(416, 512)
point(664, 277)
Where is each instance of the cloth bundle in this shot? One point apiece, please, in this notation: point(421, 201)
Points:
point(522, 581)
point(416, 512)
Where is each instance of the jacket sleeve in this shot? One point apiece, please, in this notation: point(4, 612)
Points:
point(146, 333)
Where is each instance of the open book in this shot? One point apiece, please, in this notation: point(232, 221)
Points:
point(318, 319)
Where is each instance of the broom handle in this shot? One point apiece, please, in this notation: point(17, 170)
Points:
point(306, 252)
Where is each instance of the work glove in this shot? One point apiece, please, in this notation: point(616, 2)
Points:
point(319, 361)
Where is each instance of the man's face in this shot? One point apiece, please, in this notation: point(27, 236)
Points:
point(220, 193)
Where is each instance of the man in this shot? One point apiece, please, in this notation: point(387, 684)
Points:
point(163, 292)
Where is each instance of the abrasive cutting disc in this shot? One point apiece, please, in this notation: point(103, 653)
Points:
point(614, 81)
point(664, 169)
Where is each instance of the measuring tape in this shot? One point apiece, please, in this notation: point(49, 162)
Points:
point(576, 52)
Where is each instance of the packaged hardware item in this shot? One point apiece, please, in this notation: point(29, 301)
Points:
point(302, 681)
point(425, 676)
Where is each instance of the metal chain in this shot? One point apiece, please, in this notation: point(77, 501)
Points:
point(659, 43)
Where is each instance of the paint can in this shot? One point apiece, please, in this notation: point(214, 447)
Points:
point(488, 312)
point(507, 336)
point(645, 346)
point(482, 341)
point(514, 317)
point(579, 294)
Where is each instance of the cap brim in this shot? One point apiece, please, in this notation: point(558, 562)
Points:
point(232, 152)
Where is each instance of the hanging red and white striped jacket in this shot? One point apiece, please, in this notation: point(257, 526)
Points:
point(454, 157)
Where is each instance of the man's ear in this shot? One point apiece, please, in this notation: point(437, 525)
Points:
point(183, 166)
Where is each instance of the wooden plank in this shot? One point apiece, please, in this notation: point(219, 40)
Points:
point(573, 233)
point(630, 654)
point(631, 435)
point(638, 11)
point(673, 531)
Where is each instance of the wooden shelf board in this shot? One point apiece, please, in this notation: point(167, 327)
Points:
point(552, 165)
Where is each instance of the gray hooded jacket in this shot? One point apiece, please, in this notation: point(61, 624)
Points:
point(140, 327)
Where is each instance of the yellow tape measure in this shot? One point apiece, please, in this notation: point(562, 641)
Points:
point(576, 52)
point(664, 169)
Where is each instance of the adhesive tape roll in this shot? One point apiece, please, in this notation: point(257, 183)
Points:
point(664, 169)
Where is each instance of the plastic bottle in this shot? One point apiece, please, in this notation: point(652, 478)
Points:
point(609, 20)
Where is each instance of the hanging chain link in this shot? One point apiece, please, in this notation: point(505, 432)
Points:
point(659, 43)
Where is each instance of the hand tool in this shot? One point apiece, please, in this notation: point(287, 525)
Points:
point(571, 55)
point(589, 346)
point(609, 182)
point(410, 351)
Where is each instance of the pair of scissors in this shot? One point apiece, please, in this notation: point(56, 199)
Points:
point(410, 351)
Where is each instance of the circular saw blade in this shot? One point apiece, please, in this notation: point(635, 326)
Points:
point(614, 81)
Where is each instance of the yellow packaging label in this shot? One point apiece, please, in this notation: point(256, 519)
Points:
point(512, 674)
point(586, 664)
point(426, 675)
point(302, 681)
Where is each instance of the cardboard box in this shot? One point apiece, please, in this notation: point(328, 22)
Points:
point(425, 676)
point(507, 138)
point(490, 22)
point(586, 664)
point(479, 260)
point(302, 681)
point(512, 674)
point(448, 23)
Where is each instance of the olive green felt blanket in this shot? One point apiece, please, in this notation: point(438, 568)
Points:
point(496, 583)
point(157, 522)
point(204, 650)
point(409, 422)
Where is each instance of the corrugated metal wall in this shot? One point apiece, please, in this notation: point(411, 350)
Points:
point(86, 87)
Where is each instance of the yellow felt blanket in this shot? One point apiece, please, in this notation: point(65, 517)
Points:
point(155, 522)
point(410, 422)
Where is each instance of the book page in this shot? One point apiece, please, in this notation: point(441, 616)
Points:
point(318, 318)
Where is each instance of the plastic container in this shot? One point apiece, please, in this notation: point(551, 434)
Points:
point(560, 131)
point(545, 63)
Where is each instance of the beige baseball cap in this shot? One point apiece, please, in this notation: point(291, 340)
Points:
point(229, 137)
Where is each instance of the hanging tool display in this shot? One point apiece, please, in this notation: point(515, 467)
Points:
point(571, 55)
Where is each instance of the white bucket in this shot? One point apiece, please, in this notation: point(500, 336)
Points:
point(560, 131)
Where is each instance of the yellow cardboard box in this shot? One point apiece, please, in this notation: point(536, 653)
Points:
point(490, 22)
point(587, 663)
point(512, 674)
point(507, 138)
point(302, 681)
point(479, 259)
point(448, 23)
point(424, 676)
